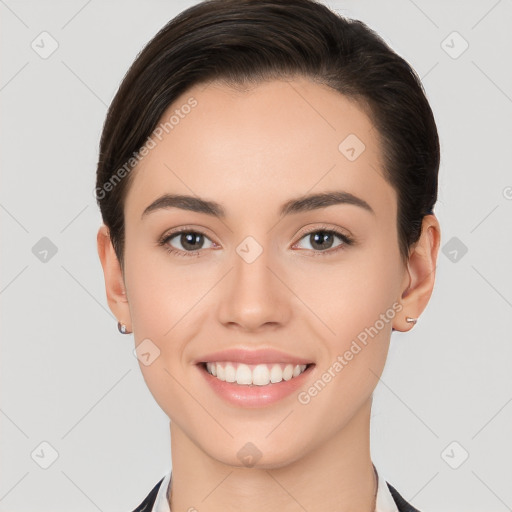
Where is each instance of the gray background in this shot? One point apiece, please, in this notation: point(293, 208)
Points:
point(68, 378)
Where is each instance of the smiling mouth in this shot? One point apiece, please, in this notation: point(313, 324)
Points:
point(261, 374)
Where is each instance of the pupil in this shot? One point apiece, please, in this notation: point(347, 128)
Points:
point(190, 238)
point(321, 236)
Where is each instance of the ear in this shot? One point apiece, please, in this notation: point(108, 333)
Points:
point(419, 280)
point(114, 279)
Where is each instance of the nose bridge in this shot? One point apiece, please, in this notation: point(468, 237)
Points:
point(254, 296)
point(252, 276)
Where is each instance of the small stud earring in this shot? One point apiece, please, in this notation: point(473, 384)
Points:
point(122, 328)
point(411, 320)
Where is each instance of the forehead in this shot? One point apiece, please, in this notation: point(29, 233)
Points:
point(275, 140)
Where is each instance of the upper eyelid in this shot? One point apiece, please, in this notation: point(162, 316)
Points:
point(178, 231)
point(336, 230)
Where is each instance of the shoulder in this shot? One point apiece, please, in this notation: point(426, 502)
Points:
point(149, 500)
point(402, 505)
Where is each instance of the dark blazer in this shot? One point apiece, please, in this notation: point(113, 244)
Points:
point(149, 500)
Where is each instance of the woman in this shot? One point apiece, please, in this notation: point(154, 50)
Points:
point(267, 177)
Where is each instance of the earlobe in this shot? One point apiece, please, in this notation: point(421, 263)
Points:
point(421, 267)
point(114, 280)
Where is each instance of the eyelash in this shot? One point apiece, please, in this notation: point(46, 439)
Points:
point(347, 241)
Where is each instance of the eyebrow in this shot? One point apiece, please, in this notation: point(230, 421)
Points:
point(296, 205)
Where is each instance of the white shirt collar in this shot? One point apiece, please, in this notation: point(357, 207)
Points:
point(385, 502)
point(161, 502)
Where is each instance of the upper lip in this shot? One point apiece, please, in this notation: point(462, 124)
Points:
point(241, 355)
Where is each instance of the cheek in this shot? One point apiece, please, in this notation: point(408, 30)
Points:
point(159, 303)
point(351, 294)
point(357, 306)
point(157, 291)
point(165, 306)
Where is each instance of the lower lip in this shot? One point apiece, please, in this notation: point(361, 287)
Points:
point(253, 395)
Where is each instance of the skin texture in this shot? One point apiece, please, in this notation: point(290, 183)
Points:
point(252, 150)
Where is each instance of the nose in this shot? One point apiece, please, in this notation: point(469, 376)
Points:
point(254, 295)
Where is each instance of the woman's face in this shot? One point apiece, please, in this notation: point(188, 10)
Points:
point(257, 278)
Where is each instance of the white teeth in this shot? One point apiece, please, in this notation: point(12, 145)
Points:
point(276, 374)
point(220, 372)
point(288, 372)
point(243, 374)
point(230, 373)
point(259, 375)
point(296, 371)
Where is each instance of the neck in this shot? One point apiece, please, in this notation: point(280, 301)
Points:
point(337, 474)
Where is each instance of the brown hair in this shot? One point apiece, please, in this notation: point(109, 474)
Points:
point(242, 42)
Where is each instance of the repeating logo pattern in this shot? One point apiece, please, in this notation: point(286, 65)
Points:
point(463, 63)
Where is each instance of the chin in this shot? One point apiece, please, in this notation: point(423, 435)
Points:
point(256, 454)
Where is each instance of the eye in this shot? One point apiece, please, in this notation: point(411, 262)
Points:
point(321, 241)
point(188, 242)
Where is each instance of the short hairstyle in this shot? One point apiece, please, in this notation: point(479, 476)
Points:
point(245, 42)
